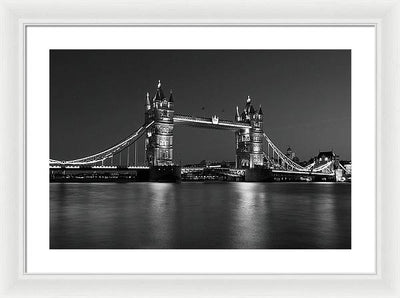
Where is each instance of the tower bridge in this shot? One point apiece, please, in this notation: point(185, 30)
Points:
point(257, 157)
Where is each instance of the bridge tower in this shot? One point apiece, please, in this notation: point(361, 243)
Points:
point(249, 141)
point(158, 142)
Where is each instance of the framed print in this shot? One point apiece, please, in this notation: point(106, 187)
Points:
point(299, 190)
point(230, 208)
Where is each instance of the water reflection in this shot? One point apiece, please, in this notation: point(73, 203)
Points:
point(161, 204)
point(249, 225)
point(197, 215)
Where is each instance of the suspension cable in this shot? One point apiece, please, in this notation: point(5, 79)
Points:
point(108, 153)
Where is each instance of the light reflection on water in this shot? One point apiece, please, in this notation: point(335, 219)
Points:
point(249, 216)
point(198, 215)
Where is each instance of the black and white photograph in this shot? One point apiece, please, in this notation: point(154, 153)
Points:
point(200, 149)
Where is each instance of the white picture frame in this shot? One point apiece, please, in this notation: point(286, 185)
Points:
point(14, 17)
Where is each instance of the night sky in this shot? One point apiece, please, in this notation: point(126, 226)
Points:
point(97, 98)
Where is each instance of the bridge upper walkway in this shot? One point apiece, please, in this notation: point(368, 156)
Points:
point(212, 122)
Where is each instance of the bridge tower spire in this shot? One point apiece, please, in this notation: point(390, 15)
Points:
point(237, 115)
point(148, 105)
point(158, 143)
point(249, 145)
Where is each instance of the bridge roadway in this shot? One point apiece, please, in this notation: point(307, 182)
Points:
point(76, 173)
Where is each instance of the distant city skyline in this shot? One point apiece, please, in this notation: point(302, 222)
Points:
point(97, 97)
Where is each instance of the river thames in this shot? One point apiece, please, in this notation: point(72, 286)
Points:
point(200, 215)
